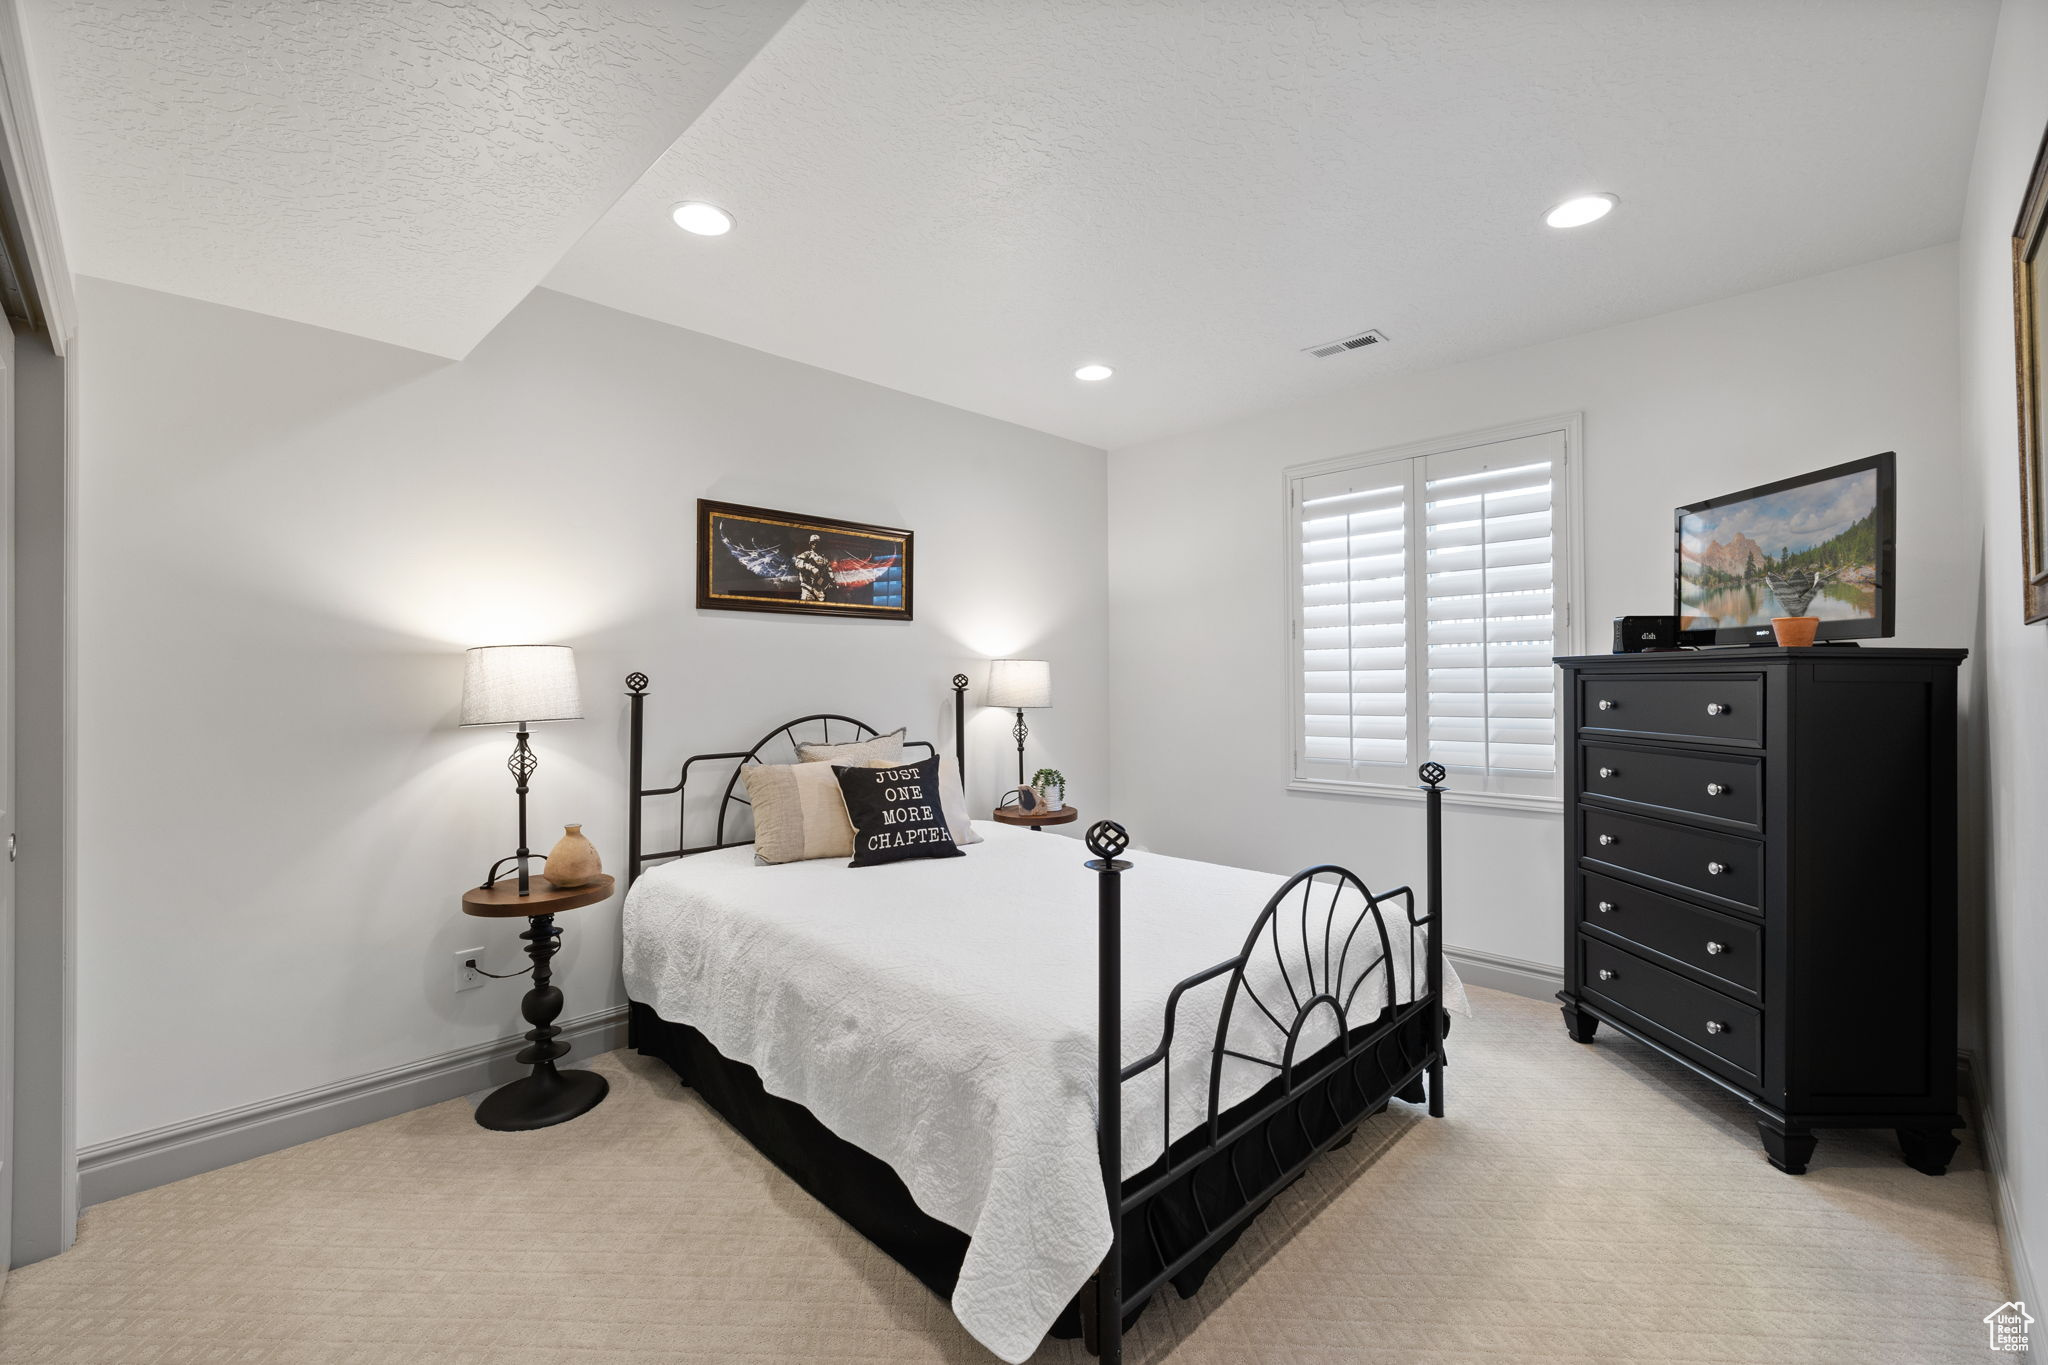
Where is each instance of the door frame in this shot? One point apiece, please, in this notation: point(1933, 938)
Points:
point(7, 830)
point(43, 1136)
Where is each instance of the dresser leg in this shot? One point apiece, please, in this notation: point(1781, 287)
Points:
point(1580, 1025)
point(1788, 1148)
point(1928, 1150)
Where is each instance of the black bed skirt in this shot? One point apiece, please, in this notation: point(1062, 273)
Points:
point(872, 1199)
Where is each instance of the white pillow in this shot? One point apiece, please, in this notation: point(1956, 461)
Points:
point(953, 801)
point(857, 753)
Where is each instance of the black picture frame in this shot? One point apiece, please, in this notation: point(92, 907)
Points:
point(1879, 625)
point(754, 559)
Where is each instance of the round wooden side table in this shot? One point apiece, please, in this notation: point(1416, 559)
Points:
point(1010, 815)
point(547, 1096)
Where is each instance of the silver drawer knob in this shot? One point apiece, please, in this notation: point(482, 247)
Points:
point(1606, 706)
point(1606, 975)
point(1606, 839)
point(1715, 708)
point(1604, 906)
point(1716, 789)
point(1716, 869)
point(1716, 1026)
point(1607, 772)
point(1715, 949)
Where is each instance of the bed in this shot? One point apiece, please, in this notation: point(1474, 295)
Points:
point(974, 1060)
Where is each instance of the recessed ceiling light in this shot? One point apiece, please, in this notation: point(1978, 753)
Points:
point(706, 220)
point(1091, 373)
point(1587, 208)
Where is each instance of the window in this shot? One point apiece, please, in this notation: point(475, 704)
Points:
point(1430, 589)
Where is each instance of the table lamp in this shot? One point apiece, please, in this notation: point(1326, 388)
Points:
point(1020, 685)
point(519, 685)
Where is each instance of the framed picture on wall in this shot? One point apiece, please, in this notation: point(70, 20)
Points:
point(2030, 307)
point(755, 559)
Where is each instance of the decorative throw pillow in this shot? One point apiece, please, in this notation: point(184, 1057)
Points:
point(798, 812)
point(881, 749)
point(889, 749)
point(896, 812)
point(954, 802)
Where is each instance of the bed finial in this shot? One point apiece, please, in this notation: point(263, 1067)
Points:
point(960, 726)
point(1432, 775)
point(1106, 839)
point(636, 690)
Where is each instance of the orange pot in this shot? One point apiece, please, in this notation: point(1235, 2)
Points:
point(573, 859)
point(1795, 632)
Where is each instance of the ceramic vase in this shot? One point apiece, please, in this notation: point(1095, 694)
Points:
point(573, 859)
point(1794, 632)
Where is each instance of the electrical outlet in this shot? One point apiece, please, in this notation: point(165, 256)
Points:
point(467, 977)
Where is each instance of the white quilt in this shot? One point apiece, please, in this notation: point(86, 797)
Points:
point(940, 1014)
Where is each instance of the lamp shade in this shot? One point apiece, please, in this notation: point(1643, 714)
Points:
point(1014, 683)
point(508, 684)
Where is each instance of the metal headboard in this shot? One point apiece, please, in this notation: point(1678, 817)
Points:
point(639, 856)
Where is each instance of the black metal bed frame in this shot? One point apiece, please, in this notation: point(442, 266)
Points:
point(1319, 1101)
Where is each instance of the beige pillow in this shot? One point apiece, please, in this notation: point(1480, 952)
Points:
point(798, 812)
point(882, 749)
point(886, 751)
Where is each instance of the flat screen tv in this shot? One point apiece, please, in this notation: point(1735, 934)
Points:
point(1818, 545)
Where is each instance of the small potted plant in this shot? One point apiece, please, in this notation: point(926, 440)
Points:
point(1051, 786)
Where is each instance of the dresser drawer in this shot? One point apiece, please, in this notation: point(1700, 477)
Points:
point(1724, 947)
point(1697, 1018)
point(1723, 708)
point(1675, 782)
point(1725, 867)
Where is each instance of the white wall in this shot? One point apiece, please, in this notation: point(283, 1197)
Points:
point(1678, 407)
point(2011, 741)
point(286, 537)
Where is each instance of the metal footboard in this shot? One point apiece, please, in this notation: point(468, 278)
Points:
point(1340, 946)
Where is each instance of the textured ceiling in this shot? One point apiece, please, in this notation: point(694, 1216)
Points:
point(965, 199)
point(402, 169)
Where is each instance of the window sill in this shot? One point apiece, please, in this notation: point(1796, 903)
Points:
point(1390, 791)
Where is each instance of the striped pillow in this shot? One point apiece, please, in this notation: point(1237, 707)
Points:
point(799, 812)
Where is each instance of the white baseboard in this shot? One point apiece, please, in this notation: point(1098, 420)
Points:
point(108, 1170)
point(2017, 1264)
point(1511, 974)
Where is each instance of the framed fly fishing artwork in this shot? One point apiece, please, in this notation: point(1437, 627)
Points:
point(755, 559)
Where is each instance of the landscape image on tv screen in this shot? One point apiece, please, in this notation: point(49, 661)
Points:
point(1809, 551)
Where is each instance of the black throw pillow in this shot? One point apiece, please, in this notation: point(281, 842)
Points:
point(895, 813)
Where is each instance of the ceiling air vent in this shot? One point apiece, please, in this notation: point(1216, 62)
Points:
point(1350, 343)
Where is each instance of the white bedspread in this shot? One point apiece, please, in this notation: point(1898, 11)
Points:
point(940, 1014)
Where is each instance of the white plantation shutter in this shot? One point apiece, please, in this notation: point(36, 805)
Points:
point(1429, 603)
point(1487, 593)
point(1354, 616)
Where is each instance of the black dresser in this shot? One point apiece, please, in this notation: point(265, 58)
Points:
point(1760, 880)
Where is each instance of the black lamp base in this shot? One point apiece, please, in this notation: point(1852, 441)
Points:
point(542, 1100)
point(522, 765)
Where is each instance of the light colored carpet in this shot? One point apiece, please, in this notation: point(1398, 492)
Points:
point(1579, 1204)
